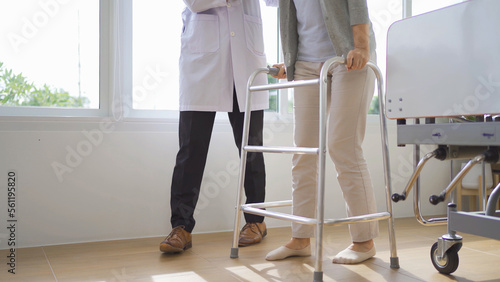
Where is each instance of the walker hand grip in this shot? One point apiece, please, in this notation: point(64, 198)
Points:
point(273, 71)
point(434, 199)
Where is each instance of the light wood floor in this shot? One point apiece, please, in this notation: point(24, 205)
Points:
point(208, 260)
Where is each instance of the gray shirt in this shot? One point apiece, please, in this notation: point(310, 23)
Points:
point(314, 43)
point(339, 17)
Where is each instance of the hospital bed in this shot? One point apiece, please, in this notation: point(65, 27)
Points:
point(443, 88)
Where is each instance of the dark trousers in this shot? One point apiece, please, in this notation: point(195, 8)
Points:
point(195, 131)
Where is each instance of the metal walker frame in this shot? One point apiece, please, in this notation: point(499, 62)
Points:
point(319, 221)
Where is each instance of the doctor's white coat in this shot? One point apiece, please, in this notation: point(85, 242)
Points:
point(221, 45)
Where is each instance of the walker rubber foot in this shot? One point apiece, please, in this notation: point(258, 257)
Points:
point(234, 253)
point(318, 276)
point(394, 262)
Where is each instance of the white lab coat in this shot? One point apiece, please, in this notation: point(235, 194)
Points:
point(221, 45)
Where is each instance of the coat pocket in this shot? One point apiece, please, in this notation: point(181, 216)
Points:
point(201, 33)
point(254, 35)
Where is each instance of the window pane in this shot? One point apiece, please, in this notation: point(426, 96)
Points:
point(157, 26)
point(382, 14)
point(271, 28)
point(424, 6)
point(50, 53)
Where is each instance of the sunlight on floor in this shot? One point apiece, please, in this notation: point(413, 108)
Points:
point(256, 271)
point(185, 276)
point(269, 271)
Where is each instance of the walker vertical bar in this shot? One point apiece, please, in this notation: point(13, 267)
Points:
point(385, 154)
point(243, 161)
point(320, 211)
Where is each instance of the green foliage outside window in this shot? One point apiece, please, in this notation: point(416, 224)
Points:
point(374, 109)
point(273, 94)
point(16, 90)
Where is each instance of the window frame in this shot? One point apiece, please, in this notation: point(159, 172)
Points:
point(105, 32)
point(115, 74)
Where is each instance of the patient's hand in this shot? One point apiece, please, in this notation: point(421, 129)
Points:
point(282, 73)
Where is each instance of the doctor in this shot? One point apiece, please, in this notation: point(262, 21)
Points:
point(221, 45)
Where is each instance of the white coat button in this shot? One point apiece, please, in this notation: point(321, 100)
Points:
point(232, 33)
point(228, 4)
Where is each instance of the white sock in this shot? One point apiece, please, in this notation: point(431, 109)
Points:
point(349, 256)
point(284, 252)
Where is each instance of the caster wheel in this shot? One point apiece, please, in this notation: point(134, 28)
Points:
point(447, 264)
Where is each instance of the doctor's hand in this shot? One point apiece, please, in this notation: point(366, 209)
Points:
point(357, 59)
point(282, 73)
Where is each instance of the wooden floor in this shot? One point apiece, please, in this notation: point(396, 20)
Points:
point(208, 260)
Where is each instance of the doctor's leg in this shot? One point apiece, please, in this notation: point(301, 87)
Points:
point(195, 130)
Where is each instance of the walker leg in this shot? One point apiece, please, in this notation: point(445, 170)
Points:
point(318, 276)
point(392, 241)
point(385, 154)
point(241, 177)
point(394, 262)
point(234, 253)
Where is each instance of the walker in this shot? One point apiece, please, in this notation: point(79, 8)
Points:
point(319, 221)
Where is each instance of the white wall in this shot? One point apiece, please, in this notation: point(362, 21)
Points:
point(118, 180)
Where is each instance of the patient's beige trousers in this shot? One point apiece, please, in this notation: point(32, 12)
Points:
point(349, 97)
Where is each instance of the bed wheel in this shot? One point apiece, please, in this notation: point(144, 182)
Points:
point(449, 263)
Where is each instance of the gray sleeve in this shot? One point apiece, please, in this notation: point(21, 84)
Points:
point(358, 12)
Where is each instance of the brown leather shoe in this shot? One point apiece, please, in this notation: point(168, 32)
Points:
point(177, 241)
point(252, 233)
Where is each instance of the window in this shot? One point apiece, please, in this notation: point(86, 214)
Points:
point(157, 27)
point(271, 44)
point(382, 14)
point(99, 57)
point(50, 54)
point(424, 6)
point(385, 12)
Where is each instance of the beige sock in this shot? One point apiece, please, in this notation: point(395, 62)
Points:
point(284, 252)
point(349, 256)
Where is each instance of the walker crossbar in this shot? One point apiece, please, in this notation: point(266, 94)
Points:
point(306, 220)
point(283, 150)
point(275, 204)
point(285, 85)
point(319, 221)
point(358, 219)
point(280, 215)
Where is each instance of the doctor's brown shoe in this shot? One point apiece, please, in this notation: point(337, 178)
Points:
point(177, 241)
point(252, 233)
